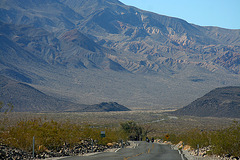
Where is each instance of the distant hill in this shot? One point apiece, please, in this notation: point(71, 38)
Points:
point(220, 102)
point(102, 107)
point(25, 98)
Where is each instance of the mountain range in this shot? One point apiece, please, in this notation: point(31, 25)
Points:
point(91, 51)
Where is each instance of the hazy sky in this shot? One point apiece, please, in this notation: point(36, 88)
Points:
point(221, 13)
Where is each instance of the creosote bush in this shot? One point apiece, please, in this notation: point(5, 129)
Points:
point(227, 141)
point(134, 131)
point(222, 142)
point(52, 135)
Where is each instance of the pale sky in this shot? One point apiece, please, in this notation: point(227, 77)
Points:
point(220, 13)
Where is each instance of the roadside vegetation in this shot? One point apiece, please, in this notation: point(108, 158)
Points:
point(221, 142)
point(52, 135)
point(53, 130)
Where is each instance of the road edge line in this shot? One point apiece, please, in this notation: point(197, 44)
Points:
point(117, 149)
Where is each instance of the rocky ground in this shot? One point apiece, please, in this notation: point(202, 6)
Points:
point(9, 153)
point(200, 154)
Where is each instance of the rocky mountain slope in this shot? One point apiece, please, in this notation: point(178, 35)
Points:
point(102, 50)
point(25, 98)
point(220, 102)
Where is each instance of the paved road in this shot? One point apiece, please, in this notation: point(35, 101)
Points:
point(143, 151)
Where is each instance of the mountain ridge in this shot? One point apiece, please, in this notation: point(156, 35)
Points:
point(89, 52)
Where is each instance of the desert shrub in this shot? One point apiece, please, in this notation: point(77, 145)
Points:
point(53, 135)
point(227, 141)
point(172, 137)
point(133, 130)
point(112, 134)
point(48, 134)
point(222, 142)
point(196, 137)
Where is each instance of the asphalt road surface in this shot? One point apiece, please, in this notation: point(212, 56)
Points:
point(143, 151)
